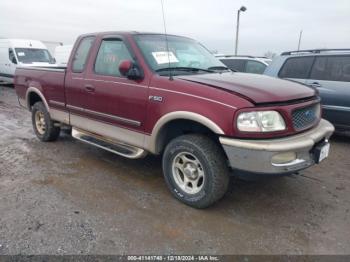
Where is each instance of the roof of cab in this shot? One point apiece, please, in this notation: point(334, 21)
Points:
point(23, 43)
point(127, 33)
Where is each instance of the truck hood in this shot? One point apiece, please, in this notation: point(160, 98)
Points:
point(258, 88)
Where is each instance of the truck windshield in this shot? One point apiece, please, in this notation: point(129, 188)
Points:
point(32, 55)
point(185, 55)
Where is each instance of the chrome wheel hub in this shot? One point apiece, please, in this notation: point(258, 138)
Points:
point(40, 122)
point(188, 173)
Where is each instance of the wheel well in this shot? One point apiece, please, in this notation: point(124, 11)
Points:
point(180, 127)
point(33, 98)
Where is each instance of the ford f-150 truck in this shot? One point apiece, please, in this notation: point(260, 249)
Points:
point(137, 93)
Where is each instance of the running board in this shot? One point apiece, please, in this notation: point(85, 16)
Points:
point(113, 146)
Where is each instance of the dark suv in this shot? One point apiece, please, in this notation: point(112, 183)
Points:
point(328, 71)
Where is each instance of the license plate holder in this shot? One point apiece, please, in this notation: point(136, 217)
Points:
point(321, 151)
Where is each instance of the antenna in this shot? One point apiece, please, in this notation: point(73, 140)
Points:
point(166, 41)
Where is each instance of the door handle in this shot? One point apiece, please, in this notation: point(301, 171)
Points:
point(89, 88)
point(315, 84)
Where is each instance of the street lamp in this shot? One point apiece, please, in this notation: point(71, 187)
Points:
point(243, 9)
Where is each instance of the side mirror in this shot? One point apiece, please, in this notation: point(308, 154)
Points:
point(14, 60)
point(130, 70)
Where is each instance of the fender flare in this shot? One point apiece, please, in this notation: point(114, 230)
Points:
point(179, 115)
point(39, 93)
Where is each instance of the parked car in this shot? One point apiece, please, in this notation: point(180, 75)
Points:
point(246, 64)
point(124, 93)
point(62, 53)
point(326, 70)
point(21, 52)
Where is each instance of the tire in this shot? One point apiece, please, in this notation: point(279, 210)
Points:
point(44, 127)
point(204, 163)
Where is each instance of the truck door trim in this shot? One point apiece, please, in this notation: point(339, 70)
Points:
point(116, 118)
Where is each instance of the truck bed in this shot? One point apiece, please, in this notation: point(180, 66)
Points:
point(52, 78)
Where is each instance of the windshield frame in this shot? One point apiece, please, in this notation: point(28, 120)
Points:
point(136, 40)
point(21, 49)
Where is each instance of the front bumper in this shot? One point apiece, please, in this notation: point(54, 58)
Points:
point(256, 156)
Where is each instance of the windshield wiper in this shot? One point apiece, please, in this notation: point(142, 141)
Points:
point(183, 68)
point(222, 68)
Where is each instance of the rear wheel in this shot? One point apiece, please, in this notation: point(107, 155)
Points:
point(195, 170)
point(44, 127)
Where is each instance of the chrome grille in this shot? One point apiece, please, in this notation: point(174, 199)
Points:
point(305, 117)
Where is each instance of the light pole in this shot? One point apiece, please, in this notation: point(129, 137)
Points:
point(301, 33)
point(243, 9)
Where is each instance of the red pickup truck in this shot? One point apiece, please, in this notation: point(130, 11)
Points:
point(135, 93)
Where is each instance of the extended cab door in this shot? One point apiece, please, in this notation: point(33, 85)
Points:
point(78, 96)
point(330, 75)
point(117, 100)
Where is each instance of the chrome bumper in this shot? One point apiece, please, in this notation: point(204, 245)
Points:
point(256, 156)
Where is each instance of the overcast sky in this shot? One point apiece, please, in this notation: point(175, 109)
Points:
point(267, 24)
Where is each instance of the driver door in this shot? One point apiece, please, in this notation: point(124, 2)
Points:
point(117, 100)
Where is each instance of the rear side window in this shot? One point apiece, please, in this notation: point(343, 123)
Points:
point(296, 67)
point(331, 68)
point(255, 67)
point(82, 53)
point(235, 64)
point(110, 54)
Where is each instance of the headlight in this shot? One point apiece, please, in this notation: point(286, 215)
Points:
point(260, 121)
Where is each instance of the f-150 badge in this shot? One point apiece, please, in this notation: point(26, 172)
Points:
point(156, 98)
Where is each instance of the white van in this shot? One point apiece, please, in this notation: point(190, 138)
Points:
point(21, 52)
point(62, 54)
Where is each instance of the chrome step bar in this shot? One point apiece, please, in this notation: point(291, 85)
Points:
point(113, 146)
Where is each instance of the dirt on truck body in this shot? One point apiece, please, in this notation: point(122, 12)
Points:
point(136, 94)
point(68, 198)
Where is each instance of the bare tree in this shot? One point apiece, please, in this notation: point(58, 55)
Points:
point(270, 54)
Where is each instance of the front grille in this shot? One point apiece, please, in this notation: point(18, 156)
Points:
point(305, 117)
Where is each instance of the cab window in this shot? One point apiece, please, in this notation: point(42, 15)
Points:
point(110, 54)
point(81, 54)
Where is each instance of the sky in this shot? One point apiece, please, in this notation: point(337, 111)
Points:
point(267, 25)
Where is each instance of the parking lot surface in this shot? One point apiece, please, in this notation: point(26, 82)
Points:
point(67, 197)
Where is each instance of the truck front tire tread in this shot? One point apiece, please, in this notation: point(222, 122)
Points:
point(214, 163)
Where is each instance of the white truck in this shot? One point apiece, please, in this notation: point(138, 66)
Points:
point(62, 54)
point(22, 52)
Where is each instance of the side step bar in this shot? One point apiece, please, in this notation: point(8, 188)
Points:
point(113, 146)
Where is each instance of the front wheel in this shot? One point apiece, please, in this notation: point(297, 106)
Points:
point(195, 170)
point(44, 127)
